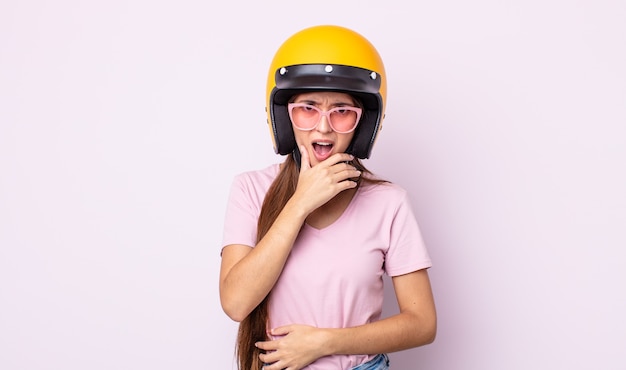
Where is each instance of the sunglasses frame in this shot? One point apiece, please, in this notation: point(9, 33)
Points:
point(326, 114)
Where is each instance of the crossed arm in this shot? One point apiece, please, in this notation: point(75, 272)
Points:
point(248, 274)
point(413, 326)
point(299, 345)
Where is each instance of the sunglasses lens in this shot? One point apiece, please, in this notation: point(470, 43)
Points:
point(305, 117)
point(343, 120)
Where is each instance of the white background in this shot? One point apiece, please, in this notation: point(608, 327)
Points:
point(122, 123)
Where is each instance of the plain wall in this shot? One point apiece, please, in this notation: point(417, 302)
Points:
point(122, 123)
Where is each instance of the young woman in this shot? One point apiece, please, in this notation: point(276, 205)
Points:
point(306, 241)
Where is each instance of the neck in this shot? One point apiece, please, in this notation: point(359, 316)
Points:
point(331, 210)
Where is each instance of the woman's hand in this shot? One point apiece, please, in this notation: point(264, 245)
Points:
point(319, 184)
point(296, 347)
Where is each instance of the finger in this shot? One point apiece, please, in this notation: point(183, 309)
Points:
point(346, 184)
point(268, 358)
point(342, 171)
point(269, 345)
point(272, 361)
point(281, 330)
point(305, 163)
point(339, 158)
point(349, 174)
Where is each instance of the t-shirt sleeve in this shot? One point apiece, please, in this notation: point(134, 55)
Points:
point(242, 212)
point(407, 251)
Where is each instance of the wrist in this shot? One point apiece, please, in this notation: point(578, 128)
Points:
point(295, 210)
point(330, 342)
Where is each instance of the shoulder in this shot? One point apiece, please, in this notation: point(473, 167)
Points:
point(384, 190)
point(383, 196)
point(248, 188)
point(261, 177)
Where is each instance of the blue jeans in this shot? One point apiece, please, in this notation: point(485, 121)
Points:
point(380, 362)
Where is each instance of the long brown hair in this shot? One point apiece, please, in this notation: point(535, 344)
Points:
point(254, 327)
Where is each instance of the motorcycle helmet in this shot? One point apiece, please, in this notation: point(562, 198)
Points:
point(330, 58)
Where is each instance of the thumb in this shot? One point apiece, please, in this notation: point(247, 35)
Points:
point(305, 164)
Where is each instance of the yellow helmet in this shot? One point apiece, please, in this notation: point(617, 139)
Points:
point(330, 58)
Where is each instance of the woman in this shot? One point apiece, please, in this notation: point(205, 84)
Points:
point(306, 241)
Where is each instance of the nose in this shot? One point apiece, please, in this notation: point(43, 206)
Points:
point(324, 124)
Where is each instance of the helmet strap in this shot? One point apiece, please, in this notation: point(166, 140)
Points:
point(297, 157)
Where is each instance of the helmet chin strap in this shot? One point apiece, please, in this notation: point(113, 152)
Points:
point(297, 157)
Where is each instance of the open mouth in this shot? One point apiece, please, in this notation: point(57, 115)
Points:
point(322, 149)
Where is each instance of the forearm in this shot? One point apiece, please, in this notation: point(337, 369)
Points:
point(396, 333)
point(246, 283)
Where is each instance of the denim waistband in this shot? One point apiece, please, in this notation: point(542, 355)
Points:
point(380, 362)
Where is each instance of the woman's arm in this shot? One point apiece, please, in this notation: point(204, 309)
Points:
point(413, 326)
point(248, 274)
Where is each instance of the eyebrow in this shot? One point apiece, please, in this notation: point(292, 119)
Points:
point(335, 104)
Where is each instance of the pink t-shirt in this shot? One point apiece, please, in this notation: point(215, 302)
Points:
point(333, 276)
